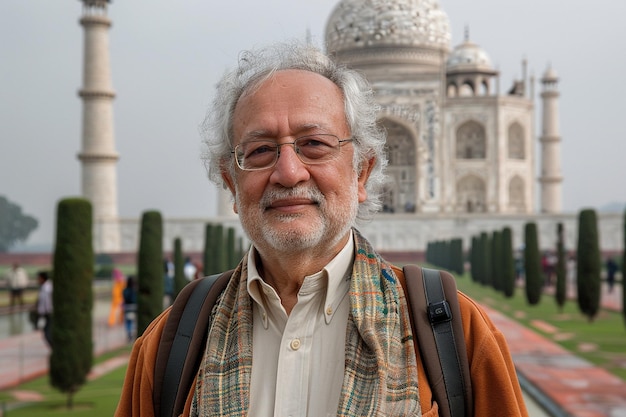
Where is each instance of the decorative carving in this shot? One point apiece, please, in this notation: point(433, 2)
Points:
point(430, 134)
point(516, 143)
point(410, 114)
point(395, 55)
point(458, 118)
point(400, 189)
point(517, 200)
point(360, 23)
point(410, 92)
point(471, 194)
point(471, 141)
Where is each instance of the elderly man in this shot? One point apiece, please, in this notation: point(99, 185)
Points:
point(313, 322)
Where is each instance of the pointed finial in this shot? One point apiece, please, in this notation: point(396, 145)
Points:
point(466, 34)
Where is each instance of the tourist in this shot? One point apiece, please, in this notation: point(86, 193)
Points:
point(17, 279)
point(313, 322)
point(44, 305)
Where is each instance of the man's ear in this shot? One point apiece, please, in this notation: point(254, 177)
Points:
point(364, 174)
point(230, 184)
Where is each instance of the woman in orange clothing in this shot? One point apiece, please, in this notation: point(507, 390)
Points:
point(116, 315)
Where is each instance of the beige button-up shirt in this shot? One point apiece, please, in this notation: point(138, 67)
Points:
point(298, 359)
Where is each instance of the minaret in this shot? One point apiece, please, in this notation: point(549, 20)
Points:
point(550, 179)
point(98, 156)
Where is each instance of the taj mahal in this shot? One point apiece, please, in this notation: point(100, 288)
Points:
point(462, 150)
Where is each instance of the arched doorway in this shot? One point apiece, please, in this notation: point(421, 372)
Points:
point(471, 195)
point(400, 192)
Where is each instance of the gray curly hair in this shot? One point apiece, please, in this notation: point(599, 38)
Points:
point(256, 66)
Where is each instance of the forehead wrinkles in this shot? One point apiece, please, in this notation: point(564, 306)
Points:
point(301, 89)
point(305, 129)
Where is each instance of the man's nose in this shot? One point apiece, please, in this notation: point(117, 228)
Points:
point(289, 169)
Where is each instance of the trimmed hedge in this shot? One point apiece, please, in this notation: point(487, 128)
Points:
point(589, 264)
point(532, 264)
point(150, 270)
point(71, 333)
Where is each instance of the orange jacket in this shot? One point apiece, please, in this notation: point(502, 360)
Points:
point(494, 381)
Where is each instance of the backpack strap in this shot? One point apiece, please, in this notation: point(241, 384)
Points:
point(183, 338)
point(438, 327)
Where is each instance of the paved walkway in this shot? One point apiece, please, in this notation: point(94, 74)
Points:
point(25, 356)
point(560, 382)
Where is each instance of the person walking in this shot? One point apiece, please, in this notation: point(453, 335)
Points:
point(44, 305)
point(611, 270)
point(168, 282)
point(117, 301)
point(17, 280)
point(190, 269)
point(313, 322)
point(130, 307)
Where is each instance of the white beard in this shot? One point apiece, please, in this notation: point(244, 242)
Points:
point(326, 229)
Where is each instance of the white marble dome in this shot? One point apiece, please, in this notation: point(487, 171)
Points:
point(357, 24)
point(550, 75)
point(468, 56)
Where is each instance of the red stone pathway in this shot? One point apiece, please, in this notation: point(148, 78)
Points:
point(573, 384)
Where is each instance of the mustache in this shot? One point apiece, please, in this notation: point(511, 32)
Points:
point(310, 193)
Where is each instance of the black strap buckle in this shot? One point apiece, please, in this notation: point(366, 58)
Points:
point(439, 312)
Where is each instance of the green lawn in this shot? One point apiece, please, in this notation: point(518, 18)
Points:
point(601, 342)
point(97, 398)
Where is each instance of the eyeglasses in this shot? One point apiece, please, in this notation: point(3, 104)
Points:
point(311, 149)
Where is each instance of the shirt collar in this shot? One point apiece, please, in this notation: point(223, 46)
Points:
point(337, 272)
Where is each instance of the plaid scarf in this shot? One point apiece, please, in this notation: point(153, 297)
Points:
point(380, 377)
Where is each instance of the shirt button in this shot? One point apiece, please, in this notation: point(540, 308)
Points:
point(295, 344)
point(329, 310)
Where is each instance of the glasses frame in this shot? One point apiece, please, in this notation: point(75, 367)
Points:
point(296, 150)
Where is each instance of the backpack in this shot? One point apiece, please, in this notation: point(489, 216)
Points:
point(435, 319)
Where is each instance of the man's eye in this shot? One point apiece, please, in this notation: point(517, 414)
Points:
point(312, 143)
point(259, 150)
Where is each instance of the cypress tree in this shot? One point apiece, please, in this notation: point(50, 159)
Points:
point(179, 267)
point(474, 251)
point(532, 264)
point(149, 270)
point(508, 263)
point(589, 266)
point(207, 258)
point(478, 258)
point(72, 298)
point(430, 257)
point(456, 248)
point(219, 246)
point(561, 268)
point(624, 268)
point(485, 268)
point(240, 248)
point(231, 248)
point(446, 252)
point(496, 260)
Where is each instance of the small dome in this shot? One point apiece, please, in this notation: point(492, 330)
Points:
point(468, 57)
point(356, 24)
point(550, 75)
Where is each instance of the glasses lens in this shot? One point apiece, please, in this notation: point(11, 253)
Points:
point(256, 154)
point(312, 149)
point(317, 148)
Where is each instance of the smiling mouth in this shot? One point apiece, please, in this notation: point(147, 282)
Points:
point(290, 206)
point(291, 203)
point(291, 199)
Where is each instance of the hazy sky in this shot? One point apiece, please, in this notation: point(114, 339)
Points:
point(166, 57)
